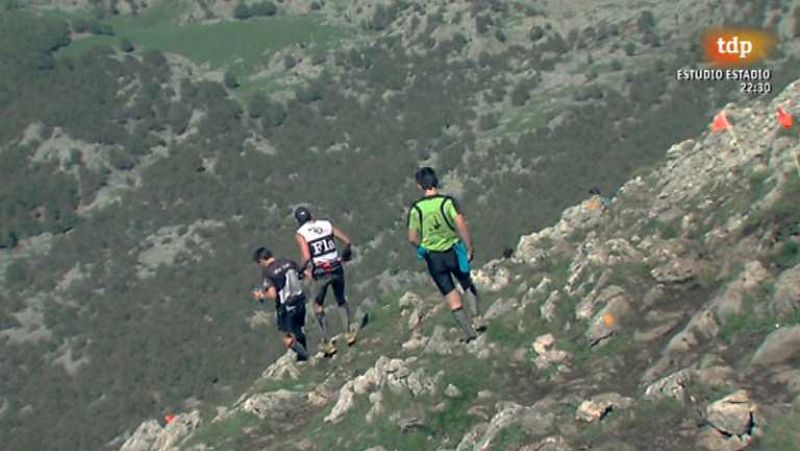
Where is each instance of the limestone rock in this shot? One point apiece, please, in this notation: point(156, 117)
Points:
point(731, 300)
point(500, 307)
point(417, 341)
point(493, 276)
point(548, 309)
point(779, 347)
point(273, 404)
point(608, 320)
point(539, 421)
point(733, 414)
point(553, 443)
point(150, 436)
point(732, 423)
point(452, 391)
point(786, 297)
point(439, 343)
point(343, 404)
point(607, 295)
point(596, 407)
point(283, 368)
point(678, 270)
point(548, 357)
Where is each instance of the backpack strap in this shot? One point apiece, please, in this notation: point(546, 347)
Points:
point(419, 213)
point(444, 213)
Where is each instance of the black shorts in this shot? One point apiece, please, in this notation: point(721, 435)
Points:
point(441, 265)
point(335, 280)
point(291, 317)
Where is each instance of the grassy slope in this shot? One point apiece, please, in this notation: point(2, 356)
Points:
point(241, 47)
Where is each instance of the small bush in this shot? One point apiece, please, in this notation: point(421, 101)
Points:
point(262, 9)
point(242, 12)
point(230, 81)
point(520, 95)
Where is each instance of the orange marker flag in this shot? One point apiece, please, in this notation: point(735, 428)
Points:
point(785, 119)
point(720, 122)
point(169, 418)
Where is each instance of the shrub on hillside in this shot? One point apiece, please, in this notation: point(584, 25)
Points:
point(265, 8)
point(242, 12)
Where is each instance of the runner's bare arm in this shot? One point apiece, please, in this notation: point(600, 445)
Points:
point(466, 234)
point(413, 237)
point(342, 236)
point(306, 254)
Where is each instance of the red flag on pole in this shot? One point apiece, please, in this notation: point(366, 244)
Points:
point(169, 418)
point(720, 122)
point(785, 119)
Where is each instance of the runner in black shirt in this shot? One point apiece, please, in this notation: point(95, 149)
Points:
point(281, 283)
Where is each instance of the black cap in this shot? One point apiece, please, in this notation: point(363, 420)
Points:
point(302, 215)
point(262, 253)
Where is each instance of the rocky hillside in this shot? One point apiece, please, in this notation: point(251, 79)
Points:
point(147, 146)
point(665, 317)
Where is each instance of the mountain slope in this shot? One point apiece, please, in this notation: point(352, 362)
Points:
point(668, 320)
point(138, 176)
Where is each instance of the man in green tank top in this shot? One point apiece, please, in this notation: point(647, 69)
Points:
point(439, 231)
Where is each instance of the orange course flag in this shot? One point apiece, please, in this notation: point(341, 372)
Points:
point(720, 122)
point(169, 418)
point(785, 119)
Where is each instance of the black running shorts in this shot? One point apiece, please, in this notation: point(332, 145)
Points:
point(291, 317)
point(334, 280)
point(441, 265)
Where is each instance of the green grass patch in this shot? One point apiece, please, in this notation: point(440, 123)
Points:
point(242, 47)
point(704, 392)
point(785, 212)
point(511, 437)
point(749, 324)
point(630, 274)
point(665, 230)
point(786, 254)
point(224, 434)
point(783, 434)
point(649, 414)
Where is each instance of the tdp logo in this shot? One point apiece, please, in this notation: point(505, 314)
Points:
point(737, 46)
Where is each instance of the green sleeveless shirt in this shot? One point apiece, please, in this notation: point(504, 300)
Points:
point(434, 219)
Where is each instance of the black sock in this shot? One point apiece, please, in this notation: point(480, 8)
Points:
point(462, 320)
point(323, 324)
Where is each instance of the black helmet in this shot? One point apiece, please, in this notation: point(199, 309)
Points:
point(302, 215)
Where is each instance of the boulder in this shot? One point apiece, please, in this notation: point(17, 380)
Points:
point(548, 308)
point(553, 443)
point(452, 391)
point(283, 368)
point(150, 436)
point(731, 300)
point(596, 407)
point(608, 321)
point(786, 297)
point(493, 276)
point(779, 347)
point(733, 415)
point(678, 270)
point(275, 404)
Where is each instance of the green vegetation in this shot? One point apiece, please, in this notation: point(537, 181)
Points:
point(227, 433)
point(752, 325)
point(111, 106)
point(782, 434)
point(244, 48)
